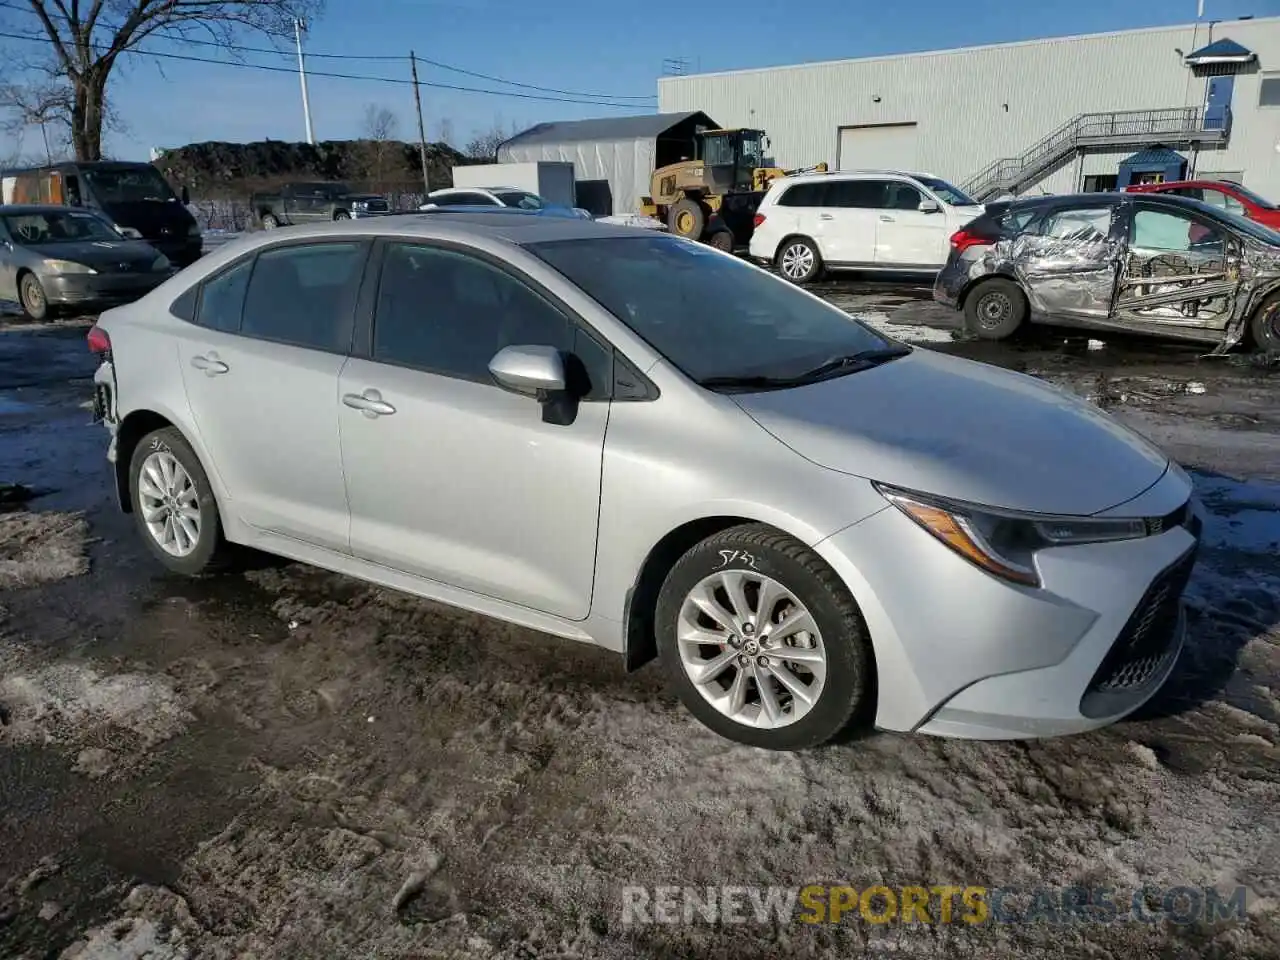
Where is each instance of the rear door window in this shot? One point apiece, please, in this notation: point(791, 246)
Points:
point(1077, 224)
point(856, 194)
point(304, 294)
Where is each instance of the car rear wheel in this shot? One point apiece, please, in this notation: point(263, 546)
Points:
point(762, 641)
point(174, 504)
point(269, 221)
point(341, 215)
point(34, 302)
point(1265, 326)
point(722, 240)
point(798, 260)
point(995, 309)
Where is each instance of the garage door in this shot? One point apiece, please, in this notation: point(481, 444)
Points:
point(888, 147)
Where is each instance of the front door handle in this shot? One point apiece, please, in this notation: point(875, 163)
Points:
point(887, 219)
point(210, 364)
point(370, 403)
point(825, 216)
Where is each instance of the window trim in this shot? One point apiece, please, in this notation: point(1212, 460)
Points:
point(371, 288)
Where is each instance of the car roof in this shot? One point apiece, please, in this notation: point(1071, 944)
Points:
point(18, 209)
point(853, 175)
point(513, 226)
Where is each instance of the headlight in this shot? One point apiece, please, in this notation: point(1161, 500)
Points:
point(129, 232)
point(160, 263)
point(193, 230)
point(1003, 542)
point(360, 204)
point(67, 266)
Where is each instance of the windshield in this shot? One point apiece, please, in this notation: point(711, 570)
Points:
point(1252, 197)
point(947, 193)
point(32, 229)
point(521, 199)
point(128, 184)
point(711, 315)
point(1238, 222)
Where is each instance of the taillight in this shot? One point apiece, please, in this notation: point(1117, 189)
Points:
point(99, 342)
point(963, 239)
point(757, 219)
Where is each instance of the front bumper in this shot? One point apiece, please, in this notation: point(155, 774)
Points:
point(181, 251)
point(100, 288)
point(961, 653)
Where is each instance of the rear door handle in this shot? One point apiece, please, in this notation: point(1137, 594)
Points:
point(370, 403)
point(825, 216)
point(887, 219)
point(210, 364)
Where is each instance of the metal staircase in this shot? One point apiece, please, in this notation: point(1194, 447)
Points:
point(1171, 127)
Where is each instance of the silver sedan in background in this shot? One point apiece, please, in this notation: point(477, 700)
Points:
point(52, 256)
point(635, 440)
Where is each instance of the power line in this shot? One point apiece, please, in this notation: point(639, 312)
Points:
point(236, 48)
point(344, 76)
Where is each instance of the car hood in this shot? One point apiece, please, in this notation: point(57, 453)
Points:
point(960, 429)
point(101, 253)
point(361, 196)
point(967, 213)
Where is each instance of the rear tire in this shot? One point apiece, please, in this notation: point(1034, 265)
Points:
point(995, 309)
point(764, 678)
point(269, 221)
point(174, 506)
point(35, 304)
point(721, 240)
point(341, 215)
point(799, 261)
point(687, 219)
point(1265, 325)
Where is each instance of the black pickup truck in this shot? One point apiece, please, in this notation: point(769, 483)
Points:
point(315, 202)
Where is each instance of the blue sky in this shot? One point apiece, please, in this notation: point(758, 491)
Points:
point(605, 47)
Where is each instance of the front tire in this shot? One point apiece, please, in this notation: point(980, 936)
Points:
point(799, 261)
point(269, 221)
point(1265, 325)
point(762, 641)
point(687, 219)
point(174, 505)
point(35, 304)
point(995, 310)
point(341, 215)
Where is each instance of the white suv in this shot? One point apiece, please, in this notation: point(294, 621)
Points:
point(858, 220)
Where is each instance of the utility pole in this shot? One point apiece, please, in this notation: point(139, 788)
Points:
point(298, 27)
point(422, 132)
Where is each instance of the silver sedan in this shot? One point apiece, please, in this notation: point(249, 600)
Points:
point(54, 256)
point(636, 441)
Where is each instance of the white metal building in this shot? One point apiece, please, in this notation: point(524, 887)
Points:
point(1042, 116)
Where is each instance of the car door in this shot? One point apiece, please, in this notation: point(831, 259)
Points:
point(1180, 269)
point(1068, 261)
point(8, 266)
point(449, 476)
point(260, 365)
point(906, 236)
point(846, 221)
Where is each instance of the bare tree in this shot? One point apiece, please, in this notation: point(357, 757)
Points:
point(42, 102)
point(89, 37)
point(444, 131)
point(484, 144)
point(379, 136)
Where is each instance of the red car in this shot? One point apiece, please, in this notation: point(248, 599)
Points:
point(1226, 194)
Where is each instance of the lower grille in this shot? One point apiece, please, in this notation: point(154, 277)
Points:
point(1145, 640)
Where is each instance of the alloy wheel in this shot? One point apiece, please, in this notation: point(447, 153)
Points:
point(797, 261)
point(169, 501)
point(751, 648)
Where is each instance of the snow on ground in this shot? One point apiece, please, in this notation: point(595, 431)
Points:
point(908, 333)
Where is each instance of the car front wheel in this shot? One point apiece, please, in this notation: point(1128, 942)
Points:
point(269, 221)
point(174, 504)
point(1265, 325)
point(34, 302)
point(762, 641)
point(799, 261)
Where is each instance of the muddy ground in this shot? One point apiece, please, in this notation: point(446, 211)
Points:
point(288, 763)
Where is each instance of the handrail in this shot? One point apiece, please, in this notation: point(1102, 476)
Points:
point(1009, 172)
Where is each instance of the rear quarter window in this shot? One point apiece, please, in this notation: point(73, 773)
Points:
point(802, 195)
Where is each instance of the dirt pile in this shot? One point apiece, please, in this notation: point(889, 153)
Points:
point(217, 170)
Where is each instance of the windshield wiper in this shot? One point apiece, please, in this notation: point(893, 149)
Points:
point(834, 366)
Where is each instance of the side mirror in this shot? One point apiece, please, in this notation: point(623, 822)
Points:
point(186, 195)
point(533, 370)
point(929, 206)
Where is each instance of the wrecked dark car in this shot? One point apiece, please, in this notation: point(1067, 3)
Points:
point(1143, 263)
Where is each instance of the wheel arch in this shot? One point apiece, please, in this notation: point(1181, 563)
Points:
point(974, 284)
point(138, 424)
point(795, 235)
